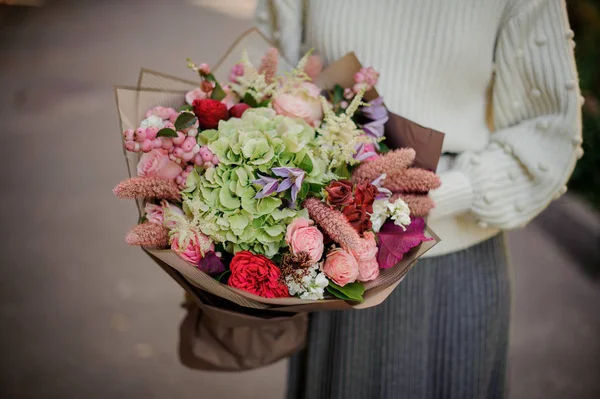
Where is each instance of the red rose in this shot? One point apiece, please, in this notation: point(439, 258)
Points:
point(364, 195)
point(358, 217)
point(238, 110)
point(210, 112)
point(257, 275)
point(339, 193)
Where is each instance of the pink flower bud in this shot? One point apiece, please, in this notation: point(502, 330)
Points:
point(187, 156)
point(348, 93)
point(208, 165)
point(196, 149)
point(344, 104)
point(189, 168)
point(167, 143)
point(359, 86)
point(206, 154)
point(171, 111)
point(130, 145)
point(128, 135)
point(215, 160)
point(178, 152)
point(198, 160)
point(204, 68)
point(178, 179)
point(158, 143)
point(169, 125)
point(151, 132)
point(179, 139)
point(206, 86)
point(147, 145)
point(139, 135)
point(188, 144)
point(359, 77)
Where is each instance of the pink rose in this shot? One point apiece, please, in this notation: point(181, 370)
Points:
point(156, 163)
point(341, 267)
point(366, 257)
point(198, 245)
point(154, 213)
point(303, 104)
point(196, 94)
point(302, 236)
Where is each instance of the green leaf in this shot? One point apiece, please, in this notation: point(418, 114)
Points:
point(343, 172)
point(250, 100)
point(383, 148)
point(316, 187)
point(349, 292)
point(338, 94)
point(185, 120)
point(218, 93)
point(210, 77)
point(264, 103)
point(304, 190)
point(166, 132)
point(306, 164)
point(223, 277)
point(185, 108)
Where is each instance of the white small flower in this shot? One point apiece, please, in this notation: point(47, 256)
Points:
point(380, 214)
point(312, 285)
point(399, 213)
point(152, 120)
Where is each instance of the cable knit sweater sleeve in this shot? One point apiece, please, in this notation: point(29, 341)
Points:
point(537, 119)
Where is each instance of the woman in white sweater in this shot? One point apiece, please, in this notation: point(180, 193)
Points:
point(498, 77)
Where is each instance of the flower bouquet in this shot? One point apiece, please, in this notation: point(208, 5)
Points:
point(271, 187)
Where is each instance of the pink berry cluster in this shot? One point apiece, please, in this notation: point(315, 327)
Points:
point(365, 79)
point(182, 149)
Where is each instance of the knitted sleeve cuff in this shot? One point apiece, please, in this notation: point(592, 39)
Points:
point(454, 196)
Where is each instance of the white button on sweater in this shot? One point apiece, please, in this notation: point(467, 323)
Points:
point(454, 66)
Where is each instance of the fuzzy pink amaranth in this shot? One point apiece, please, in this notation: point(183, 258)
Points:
point(334, 223)
point(268, 64)
point(313, 66)
point(387, 163)
point(419, 204)
point(412, 180)
point(147, 187)
point(148, 235)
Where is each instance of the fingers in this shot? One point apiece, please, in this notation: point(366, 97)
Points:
point(419, 204)
point(387, 163)
point(414, 180)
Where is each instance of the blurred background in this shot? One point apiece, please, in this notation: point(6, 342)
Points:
point(83, 315)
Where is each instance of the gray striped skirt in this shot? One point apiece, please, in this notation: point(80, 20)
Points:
point(443, 333)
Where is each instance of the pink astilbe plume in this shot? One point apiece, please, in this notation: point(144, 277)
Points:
point(334, 223)
point(413, 180)
point(268, 64)
point(388, 163)
point(148, 235)
point(419, 204)
point(313, 66)
point(147, 187)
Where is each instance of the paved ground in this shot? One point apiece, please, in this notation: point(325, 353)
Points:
point(83, 315)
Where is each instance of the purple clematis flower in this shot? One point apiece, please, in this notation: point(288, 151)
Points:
point(375, 128)
point(383, 192)
point(269, 184)
point(293, 179)
point(376, 110)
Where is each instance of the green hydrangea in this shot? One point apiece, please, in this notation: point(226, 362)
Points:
point(222, 199)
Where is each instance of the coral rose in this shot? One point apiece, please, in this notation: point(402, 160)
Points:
point(366, 257)
point(302, 236)
point(257, 275)
point(197, 246)
point(210, 112)
point(339, 193)
point(341, 267)
point(156, 163)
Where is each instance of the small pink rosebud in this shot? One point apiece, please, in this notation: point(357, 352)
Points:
point(359, 86)
point(167, 143)
point(157, 142)
point(189, 168)
point(187, 156)
point(130, 145)
point(139, 135)
point(359, 77)
point(348, 94)
point(204, 68)
point(171, 111)
point(206, 154)
point(151, 132)
point(128, 135)
point(147, 145)
point(172, 118)
point(169, 125)
point(344, 104)
point(178, 152)
point(179, 139)
point(198, 160)
point(215, 160)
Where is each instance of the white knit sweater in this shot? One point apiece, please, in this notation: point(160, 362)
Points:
point(460, 67)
